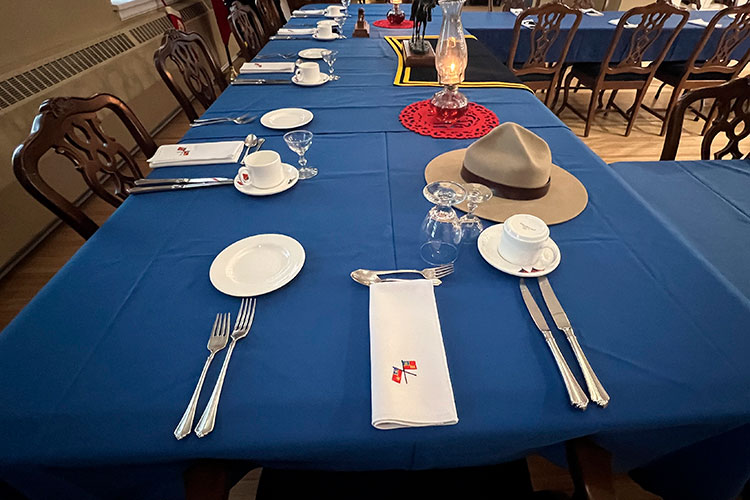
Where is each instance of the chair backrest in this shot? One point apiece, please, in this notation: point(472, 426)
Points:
point(734, 34)
point(729, 115)
point(199, 72)
point(642, 38)
point(506, 5)
point(244, 33)
point(71, 127)
point(545, 33)
point(269, 16)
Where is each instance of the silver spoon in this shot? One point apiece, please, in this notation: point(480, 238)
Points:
point(367, 278)
point(250, 142)
point(261, 141)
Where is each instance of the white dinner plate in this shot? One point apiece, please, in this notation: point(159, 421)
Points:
point(487, 244)
point(286, 118)
point(323, 79)
point(311, 53)
point(335, 36)
point(291, 176)
point(257, 265)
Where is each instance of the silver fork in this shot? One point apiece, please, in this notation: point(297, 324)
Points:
point(429, 273)
point(239, 120)
point(241, 328)
point(216, 342)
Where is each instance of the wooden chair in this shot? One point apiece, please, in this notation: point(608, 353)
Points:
point(199, 72)
point(629, 72)
point(71, 127)
point(699, 71)
point(506, 5)
point(538, 73)
point(730, 116)
point(269, 15)
point(245, 34)
point(580, 4)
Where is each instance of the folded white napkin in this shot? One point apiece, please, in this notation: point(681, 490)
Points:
point(295, 31)
point(627, 25)
point(205, 153)
point(267, 67)
point(515, 12)
point(592, 12)
point(701, 22)
point(409, 376)
point(315, 12)
point(528, 23)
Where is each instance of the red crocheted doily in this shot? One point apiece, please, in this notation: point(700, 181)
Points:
point(420, 117)
point(384, 23)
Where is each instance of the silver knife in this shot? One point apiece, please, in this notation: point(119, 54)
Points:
point(596, 390)
point(259, 81)
point(290, 37)
point(182, 180)
point(175, 187)
point(577, 396)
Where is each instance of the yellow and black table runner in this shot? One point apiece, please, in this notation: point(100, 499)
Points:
point(483, 71)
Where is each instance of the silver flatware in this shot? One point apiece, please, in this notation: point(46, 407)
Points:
point(367, 278)
point(596, 390)
point(290, 37)
point(578, 398)
point(180, 180)
point(263, 57)
point(216, 342)
point(176, 187)
point(428, 273)
point(238, 120)
point(260, 81)
point(261, 141)
point(241, 328)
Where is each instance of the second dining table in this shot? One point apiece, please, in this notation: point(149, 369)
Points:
point(97, 369)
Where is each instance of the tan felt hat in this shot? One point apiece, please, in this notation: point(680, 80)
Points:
point(516, 164)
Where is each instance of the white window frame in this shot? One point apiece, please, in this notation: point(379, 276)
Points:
point(131, 8)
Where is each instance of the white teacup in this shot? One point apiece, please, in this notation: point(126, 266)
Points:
point(307, 72)
point(334, 10)
point(525, 242)
point(325, 30)
point(262, 169)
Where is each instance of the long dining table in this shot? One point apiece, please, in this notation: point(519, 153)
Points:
point(96, 371)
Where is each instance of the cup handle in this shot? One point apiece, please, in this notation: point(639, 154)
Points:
point(246, 176)
point(544, 257)
point(296, 74)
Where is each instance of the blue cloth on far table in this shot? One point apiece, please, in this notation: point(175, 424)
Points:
point(706, 202)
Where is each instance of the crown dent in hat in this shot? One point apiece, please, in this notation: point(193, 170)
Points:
point(510, 155)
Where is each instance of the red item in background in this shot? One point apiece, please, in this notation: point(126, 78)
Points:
point(221, 13)
point(383, 23)
point(420, 117)
point(175, 18)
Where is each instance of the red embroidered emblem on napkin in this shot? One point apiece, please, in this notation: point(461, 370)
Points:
point(399, 373)
point(183, 151)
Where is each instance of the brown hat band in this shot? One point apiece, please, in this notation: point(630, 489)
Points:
point(505, 191)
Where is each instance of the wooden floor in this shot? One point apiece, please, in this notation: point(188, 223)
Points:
point(606, 139)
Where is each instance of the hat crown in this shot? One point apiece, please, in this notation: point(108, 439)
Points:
point(510, 155)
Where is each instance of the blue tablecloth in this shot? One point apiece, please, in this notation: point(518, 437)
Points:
point(97, 370)
point(706, 202)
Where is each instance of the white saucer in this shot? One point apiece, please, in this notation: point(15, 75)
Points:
point(286, 118)
point(311, 53)
point(335, 36)
point(291, 176)
point(487, 244)
point(257, 265)
point(332, 15)
point(323, 79)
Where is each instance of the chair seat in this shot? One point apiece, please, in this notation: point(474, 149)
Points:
point(535, 77)
point(672, 72)
point(590, 71)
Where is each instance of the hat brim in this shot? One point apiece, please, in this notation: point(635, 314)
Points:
point(566, 197)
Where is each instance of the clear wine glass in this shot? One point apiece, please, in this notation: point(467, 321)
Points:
point(300, 141)
point(346, 3)
point(329, 56)
point(441, 231)
point(340, 21)
point(471, 225)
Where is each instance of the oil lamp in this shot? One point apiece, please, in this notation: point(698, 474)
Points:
point(451, 58)
point(395, 15)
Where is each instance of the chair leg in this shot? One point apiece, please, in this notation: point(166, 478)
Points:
point(600, 105)
point(592, 110)
point(610, 102)
point(658, 92)
point(634, 110)
point(670, 107)
point(568, 81)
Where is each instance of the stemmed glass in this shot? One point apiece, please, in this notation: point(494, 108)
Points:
point(300, 141)
point(441, 231)
point(346, 3)
point(329, 56)
point(340, 21)
point(471, 225)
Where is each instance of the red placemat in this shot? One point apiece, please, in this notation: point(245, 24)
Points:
point(420, 117)
point(384, 23)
